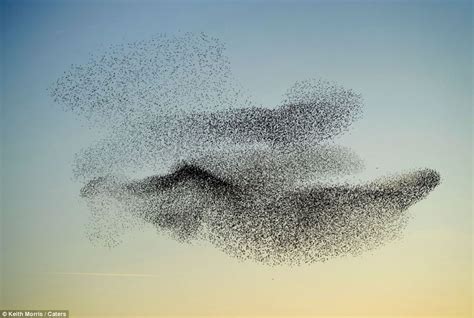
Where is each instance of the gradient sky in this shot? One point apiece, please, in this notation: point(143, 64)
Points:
point(411, 61)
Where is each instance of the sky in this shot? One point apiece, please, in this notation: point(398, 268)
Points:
point(410, 60)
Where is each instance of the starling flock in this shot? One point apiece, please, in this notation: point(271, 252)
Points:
point(187, 151)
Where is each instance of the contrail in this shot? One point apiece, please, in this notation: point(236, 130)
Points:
point(103, 274)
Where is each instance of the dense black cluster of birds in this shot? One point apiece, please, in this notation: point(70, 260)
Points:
point(259, 183)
